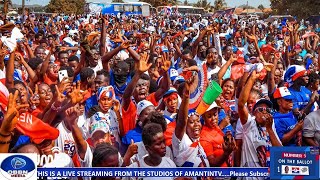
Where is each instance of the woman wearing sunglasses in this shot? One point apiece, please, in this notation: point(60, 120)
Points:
point(259, 132)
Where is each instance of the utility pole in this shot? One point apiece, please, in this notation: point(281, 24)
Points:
point(23, 9)
point(247, 7)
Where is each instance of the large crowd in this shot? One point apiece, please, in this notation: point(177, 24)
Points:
point(118, 91)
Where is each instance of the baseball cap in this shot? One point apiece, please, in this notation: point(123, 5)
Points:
point(213, 105)
point(170, 91)
point(178, 79)
point(263, 101)
point(99, 126)
point(142, 105)
point(282, 92)
point(173, 73)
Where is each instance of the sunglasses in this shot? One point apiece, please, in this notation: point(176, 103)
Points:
point(263, 109)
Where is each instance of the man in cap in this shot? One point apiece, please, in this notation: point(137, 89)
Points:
point(297, 78)
point(286, 123)
point(144, 108)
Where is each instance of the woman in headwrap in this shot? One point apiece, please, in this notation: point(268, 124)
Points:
point(108, 107)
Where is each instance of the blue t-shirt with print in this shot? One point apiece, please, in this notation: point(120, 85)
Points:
point(284, 123)
point(301, 98)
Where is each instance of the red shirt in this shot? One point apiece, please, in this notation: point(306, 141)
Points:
point(211, 140)
point(129, 116)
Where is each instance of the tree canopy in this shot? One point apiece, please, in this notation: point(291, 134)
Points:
point(66, 6)
point(301, 9)
point(161, 2)
point(219, 4)
point(261, 7)
point(203, 3)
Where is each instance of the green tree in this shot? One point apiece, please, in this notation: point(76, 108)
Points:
point(66, 6)
point(185, 3)
point(204, 4)
point(301, 9)
point(261, 7)
point(219, 4)
point(244, 6)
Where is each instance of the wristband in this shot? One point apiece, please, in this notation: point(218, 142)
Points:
point(4, 135)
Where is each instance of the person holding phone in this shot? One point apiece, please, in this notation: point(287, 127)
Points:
point(287, 125)
point(217, 145)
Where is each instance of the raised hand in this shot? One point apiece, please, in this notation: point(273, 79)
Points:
point(255, 75)
point(76, 95)
point(116, 105)
point(142, 65)
point(11, 116)
point(59, 97)
point(64, 84)
point(19, 58)
point(269, 120)
point(35, 98)
point(72, 114)
point(166, 64)
point(125, 45)
point(132, 149)
point(251, 37)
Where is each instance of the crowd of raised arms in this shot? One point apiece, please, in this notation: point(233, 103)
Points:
point(108, 91)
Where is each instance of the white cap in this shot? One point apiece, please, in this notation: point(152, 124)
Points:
point(142, 105)
point(213, 105)
point(99, 122)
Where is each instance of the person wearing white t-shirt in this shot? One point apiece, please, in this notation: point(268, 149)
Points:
point(71, 140)
point(259, 132)
point(153, 139)
point(187, 150)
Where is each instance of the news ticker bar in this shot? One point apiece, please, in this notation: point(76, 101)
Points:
point(153, 172)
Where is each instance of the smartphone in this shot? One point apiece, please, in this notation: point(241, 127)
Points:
point(62, 74)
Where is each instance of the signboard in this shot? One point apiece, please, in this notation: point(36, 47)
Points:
point(294, 162)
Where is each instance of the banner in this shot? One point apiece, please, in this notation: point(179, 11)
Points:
point(153, 172)
point(294, 162)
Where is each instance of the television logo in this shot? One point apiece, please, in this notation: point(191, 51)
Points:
point(18, 166)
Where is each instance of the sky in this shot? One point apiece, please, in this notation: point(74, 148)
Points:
point(230, 3)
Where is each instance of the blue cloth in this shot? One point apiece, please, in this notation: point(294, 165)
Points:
point(118, 90)
point(90, 102)
point(77, 78)
point(36, 30)
point(301, 98)
point(284, 123)
point(303, 53)
point(229, 127)
point(134, 134)
point(22, 140)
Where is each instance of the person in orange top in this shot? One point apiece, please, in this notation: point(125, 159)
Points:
point(139, 88)
point(212, 139)
point(51, 76)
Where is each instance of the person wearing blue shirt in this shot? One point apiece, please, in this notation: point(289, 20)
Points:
point(120, 77)
point(287, 125)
